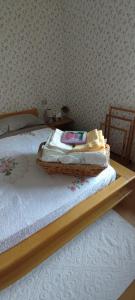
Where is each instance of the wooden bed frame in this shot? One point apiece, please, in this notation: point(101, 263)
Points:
point(31, 111)
point(22, 258)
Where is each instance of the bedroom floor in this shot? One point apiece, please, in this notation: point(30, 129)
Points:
point(127, 210)
point(127, 207)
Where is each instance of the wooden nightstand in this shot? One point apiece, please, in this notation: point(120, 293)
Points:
point(64, 123)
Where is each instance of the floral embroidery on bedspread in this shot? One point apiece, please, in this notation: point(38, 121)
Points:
point(13, 168)
point(7, 165)
point(77, 183)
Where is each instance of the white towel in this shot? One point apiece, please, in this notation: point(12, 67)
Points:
point(96, 158)
point(55, 151)
point(54, 141)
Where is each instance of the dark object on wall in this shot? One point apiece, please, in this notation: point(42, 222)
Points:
point(64, 110)
point(46, 116)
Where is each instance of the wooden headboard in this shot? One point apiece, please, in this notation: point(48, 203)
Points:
point(31, 111)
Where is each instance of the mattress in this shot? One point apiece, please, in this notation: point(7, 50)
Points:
point(30, 198)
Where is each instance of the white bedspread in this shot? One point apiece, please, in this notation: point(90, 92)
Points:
point(29, 197)
point(98, 264)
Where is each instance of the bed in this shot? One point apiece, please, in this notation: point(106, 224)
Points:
point(32, 248)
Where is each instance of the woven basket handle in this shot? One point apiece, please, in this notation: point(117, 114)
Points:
point(40, 149)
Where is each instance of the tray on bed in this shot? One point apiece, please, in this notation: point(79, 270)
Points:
point(70, 169)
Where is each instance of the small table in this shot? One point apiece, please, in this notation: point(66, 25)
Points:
point(63, 123)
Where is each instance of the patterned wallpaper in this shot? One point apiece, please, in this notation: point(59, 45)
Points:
point(31, 53)
point(75, 52)
point(99, 57)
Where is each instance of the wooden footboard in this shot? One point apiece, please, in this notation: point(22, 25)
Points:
point(22, 258)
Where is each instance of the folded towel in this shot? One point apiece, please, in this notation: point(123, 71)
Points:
point(100, 157)
point(93, 158)
point(95, 142)
point(93, 152)
point(54, 141)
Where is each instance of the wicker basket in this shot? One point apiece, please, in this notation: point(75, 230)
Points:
point(70, 169)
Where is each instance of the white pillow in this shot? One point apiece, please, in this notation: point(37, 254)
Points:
point(20, 121)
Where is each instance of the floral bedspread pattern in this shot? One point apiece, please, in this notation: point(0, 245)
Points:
point(77, 183)
point(13, 168)
point(7, 165)
point(30, 198)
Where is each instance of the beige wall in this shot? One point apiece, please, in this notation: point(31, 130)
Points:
point(99, 57)
point(31, 53)
point(75, 52)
